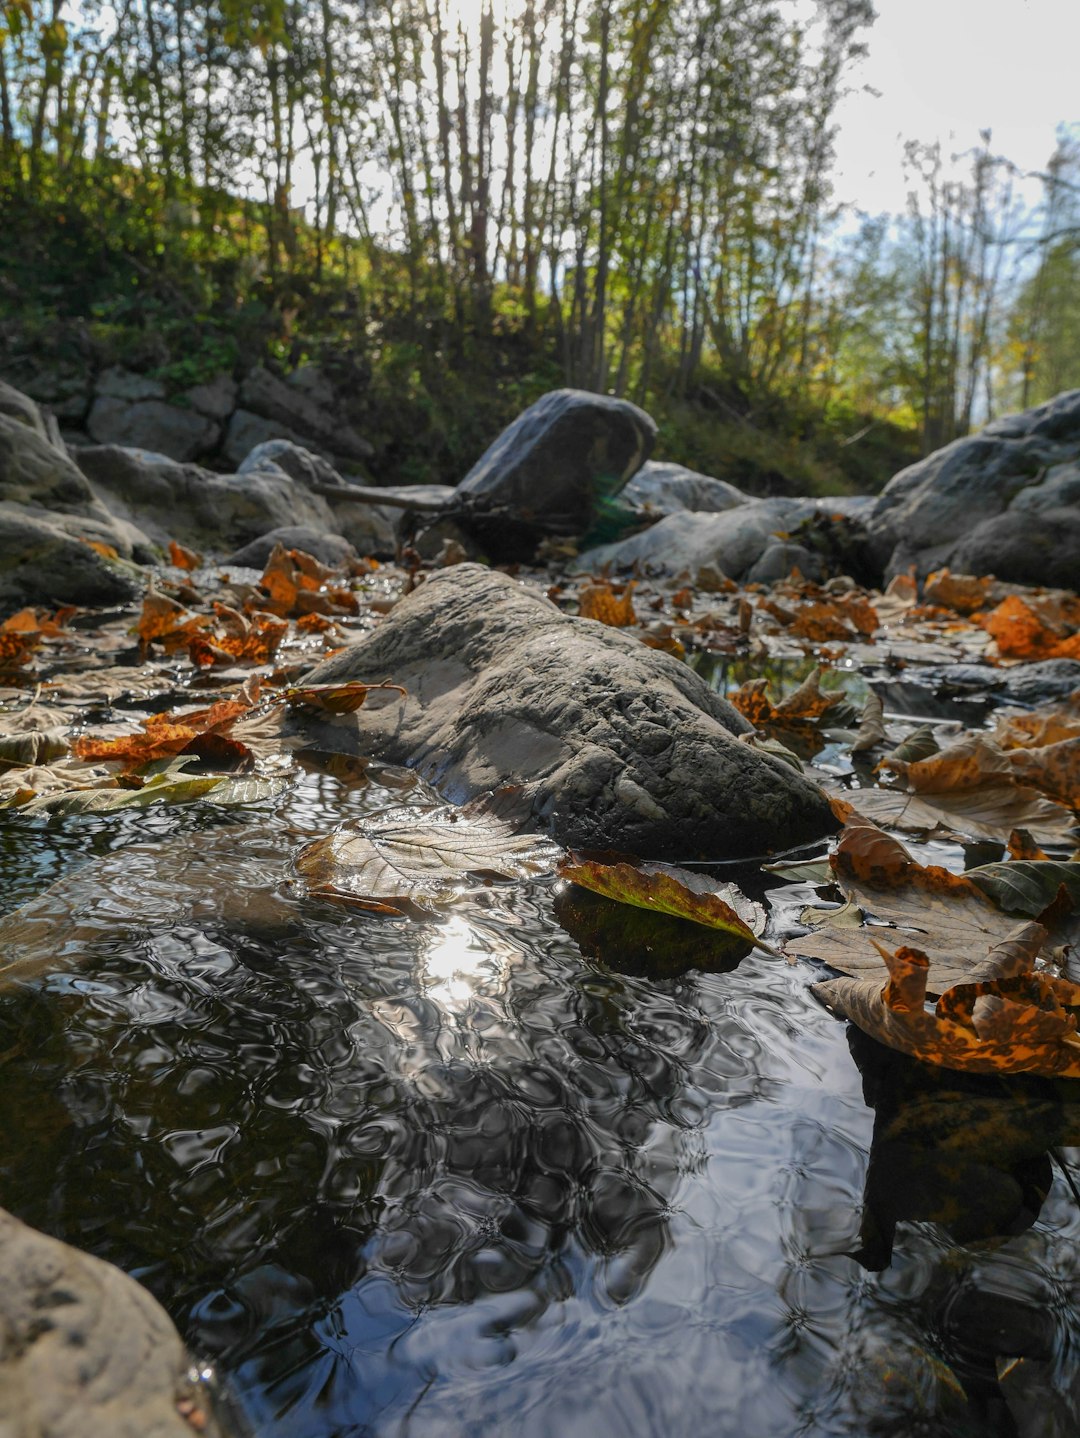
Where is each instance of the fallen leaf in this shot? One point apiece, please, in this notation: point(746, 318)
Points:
point(406, 859)
point(602, 602)
point(946, 915)
point(183, 558)
point(1004, 1017)
point(1053, 768)
point(164, 621)
point(1022, 846)
point(963, 592)
point(1027, 886)
point(163, 735)
point(987, 813)
point(871, 725)
point(665, 889)
point(336, 698)
point(1034, 627)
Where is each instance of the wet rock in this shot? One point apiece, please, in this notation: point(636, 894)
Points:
point(668, 487)
point(732, 542)
point(41, 563)
point(329, 549)
point(1005, 501)
point(548, 473)
point(195, 506)
point(614, 744)
point(152, 424)
point(1039, 683)
point(85, 1352)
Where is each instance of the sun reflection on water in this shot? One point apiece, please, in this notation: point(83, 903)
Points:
point(459, 962)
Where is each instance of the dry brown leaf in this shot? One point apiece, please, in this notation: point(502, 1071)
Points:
point(962, 592)
point(163, 735)
point(1034, 627)
point(1002, 1018)
point(941, 913)
point(1053, 768)
point(605, 603)
point(183, 558)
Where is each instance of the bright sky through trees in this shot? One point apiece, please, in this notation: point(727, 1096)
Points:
point(944, 69)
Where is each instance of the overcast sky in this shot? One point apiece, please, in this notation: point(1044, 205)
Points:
point(945, 70)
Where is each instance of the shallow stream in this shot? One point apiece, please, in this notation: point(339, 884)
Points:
point(461, 1177)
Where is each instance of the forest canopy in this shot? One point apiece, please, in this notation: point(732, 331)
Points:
point(459, 205)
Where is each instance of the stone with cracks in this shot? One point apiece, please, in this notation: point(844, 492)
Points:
point(550, 471)
point(85, 1352)
point(614, 745)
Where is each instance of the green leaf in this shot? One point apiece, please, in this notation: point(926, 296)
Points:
point(665, 889)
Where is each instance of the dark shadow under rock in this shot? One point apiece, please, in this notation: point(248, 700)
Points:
point(615, 745)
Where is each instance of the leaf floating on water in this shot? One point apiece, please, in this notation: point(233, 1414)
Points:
point(161, 789)
point(1027, 886)
point(665, 889)
point(337, 698)
point(871, 725)
point(949, 917)
point(990, 812)
point(408, 858)
point(1005, 1018)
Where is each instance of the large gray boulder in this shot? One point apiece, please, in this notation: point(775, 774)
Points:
point(41, 562)
point(194, 505)
point(550, 471)
point(667, 488)
point(1005, 501)
point(39, 482)
point(615, 745)
point(85, 1352)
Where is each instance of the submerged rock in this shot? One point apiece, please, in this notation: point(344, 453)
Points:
point(614, 744)
point(1005, 501)
point(85, 1352)
point(549, 472)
